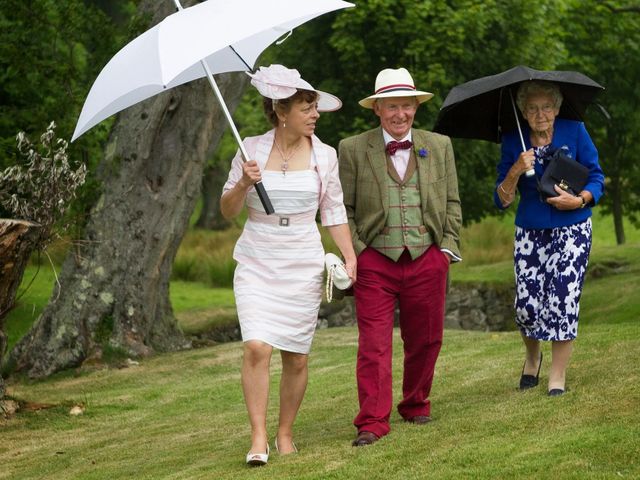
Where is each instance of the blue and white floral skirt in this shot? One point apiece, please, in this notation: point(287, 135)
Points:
point(550, 266)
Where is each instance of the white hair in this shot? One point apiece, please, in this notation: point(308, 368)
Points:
point(533, 87)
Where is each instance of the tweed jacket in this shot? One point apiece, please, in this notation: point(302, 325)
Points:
point(363, 171)
point(331, 208)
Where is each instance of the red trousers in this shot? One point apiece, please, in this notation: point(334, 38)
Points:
point(419, 286)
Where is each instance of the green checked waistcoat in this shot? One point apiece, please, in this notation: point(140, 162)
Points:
point(404, 227)
point(363, 176)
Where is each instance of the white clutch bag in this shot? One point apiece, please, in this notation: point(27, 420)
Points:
point(336, 275)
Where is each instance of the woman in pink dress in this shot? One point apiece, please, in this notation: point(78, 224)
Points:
point(278, 278)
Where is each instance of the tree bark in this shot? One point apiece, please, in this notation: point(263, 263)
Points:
point(210, 217)
point(616, 209)
point(17, 241)
point(115, 288)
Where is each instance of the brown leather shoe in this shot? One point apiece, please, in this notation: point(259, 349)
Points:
point(365, 438)
point(419, 419)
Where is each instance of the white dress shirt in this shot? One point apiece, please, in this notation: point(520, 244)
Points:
point(401, 158)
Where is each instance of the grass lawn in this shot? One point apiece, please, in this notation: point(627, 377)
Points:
point(199, 307)
point(33, 295)
point(181, 416)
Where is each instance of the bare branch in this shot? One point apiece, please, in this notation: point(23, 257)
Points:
point(41, 187)
point(615, 9)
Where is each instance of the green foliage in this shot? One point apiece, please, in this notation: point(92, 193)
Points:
point(249, 119)
point(487, 250)
point(442, 43)
point(50, 54)
point(51, 51)
point(614, 61)
point(206, 257)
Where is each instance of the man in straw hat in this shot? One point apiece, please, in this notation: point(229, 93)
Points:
point(401, 195)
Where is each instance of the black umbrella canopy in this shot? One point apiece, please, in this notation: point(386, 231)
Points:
point(481, 109)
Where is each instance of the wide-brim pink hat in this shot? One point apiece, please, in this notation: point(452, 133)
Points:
point(396, 82)
point(278, 82)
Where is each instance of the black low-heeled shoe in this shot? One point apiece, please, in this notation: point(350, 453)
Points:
point(529, 381)
point(556, 392)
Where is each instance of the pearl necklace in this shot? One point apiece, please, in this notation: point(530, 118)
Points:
point(284, 166)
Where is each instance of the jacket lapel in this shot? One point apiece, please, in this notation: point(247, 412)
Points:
point(322, 160)
point(420, 141)
point(378, 160)
point(263, 149)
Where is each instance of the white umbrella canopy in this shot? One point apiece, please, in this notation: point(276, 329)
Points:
point(223, 35)
point(215, 36)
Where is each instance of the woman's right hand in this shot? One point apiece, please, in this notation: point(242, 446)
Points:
point(250, 174)
point(524, 163)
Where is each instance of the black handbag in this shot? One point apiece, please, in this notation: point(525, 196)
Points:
point(565, 172)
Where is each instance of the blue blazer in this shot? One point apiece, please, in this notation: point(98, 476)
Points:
point(532, 211)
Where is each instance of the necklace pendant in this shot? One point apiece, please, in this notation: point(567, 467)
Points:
point(284, 167)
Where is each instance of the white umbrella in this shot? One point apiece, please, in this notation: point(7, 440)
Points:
point(215, 36)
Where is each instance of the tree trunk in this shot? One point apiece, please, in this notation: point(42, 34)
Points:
point(214, 179)
point(115, 288)
point(17, 241)
point(616, 209)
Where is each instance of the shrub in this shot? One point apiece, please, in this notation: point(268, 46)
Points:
point(40, 188)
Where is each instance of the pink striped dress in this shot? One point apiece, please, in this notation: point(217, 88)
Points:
point(278, 278)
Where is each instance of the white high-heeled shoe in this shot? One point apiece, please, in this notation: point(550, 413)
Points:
point(258, 459)
point(295, 449)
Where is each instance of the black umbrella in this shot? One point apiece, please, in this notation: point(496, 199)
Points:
point(484, 108)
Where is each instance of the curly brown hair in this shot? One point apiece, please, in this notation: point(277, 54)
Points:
point(273, 107)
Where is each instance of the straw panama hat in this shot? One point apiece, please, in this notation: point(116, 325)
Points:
point(279, 82)
point(396, 82)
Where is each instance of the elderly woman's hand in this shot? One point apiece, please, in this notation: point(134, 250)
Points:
point(524, 163)
point(250, 174)
point(565, 200)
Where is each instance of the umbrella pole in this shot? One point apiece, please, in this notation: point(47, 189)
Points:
point(532, 172)
point(262, 193)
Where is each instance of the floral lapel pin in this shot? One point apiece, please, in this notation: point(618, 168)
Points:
point(422, 152)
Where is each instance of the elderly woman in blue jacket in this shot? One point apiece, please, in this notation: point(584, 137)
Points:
point(553, 237)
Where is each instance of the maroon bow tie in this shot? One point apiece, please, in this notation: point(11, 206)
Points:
point(393, 146)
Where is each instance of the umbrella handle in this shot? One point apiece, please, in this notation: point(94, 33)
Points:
point(260, 190)
point(532, 172)
point(264, 198)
